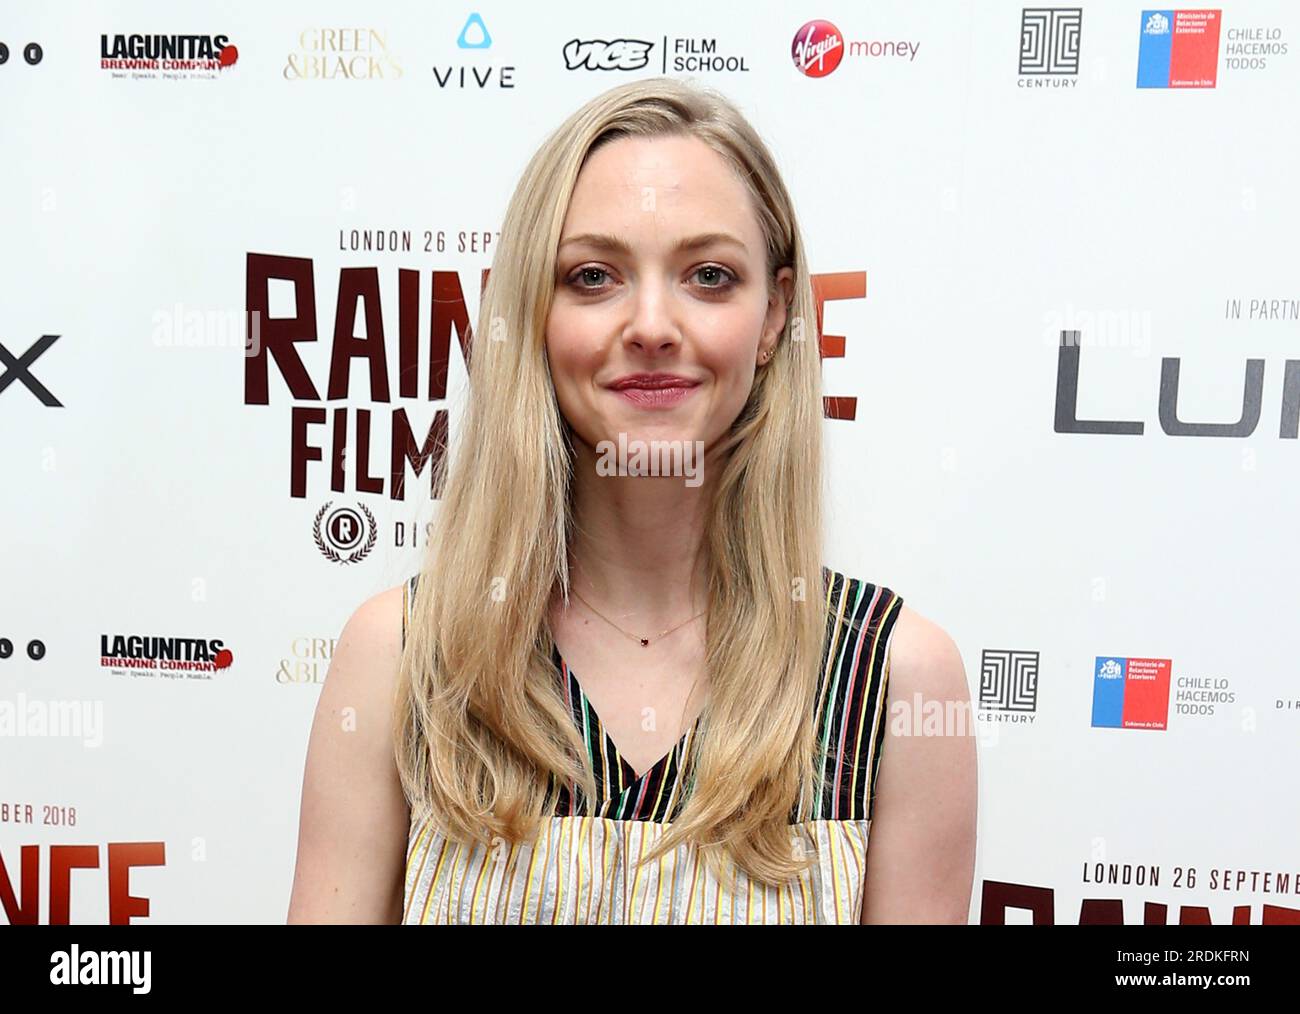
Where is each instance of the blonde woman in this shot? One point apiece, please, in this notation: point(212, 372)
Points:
point(616, 696)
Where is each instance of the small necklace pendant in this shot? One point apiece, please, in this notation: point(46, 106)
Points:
point(645, 641)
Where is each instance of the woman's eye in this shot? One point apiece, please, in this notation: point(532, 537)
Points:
point(708, 276)
point(723, 277)
point(583, 275)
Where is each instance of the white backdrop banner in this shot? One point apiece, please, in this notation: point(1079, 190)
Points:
point(1055, 253)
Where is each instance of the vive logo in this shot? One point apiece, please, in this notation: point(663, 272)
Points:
point(482, 38)
point(474, 35)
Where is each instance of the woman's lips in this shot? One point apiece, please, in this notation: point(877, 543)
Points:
point(656, 397)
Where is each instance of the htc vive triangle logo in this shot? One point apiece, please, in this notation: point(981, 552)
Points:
point(475, 34)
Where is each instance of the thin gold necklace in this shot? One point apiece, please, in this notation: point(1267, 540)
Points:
point(643, 641)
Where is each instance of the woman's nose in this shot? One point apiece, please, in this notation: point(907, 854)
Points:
point(653, 325)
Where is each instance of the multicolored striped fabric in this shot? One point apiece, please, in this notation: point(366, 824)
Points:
point(582, 867)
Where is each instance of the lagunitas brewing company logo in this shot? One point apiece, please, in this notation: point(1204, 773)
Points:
point(135, 655)
point(166, 56)
point(479, 73)
point(342, 54)
point(819, 47)
point(345, 534)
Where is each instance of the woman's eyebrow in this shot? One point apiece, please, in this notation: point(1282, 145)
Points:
point(608, 241)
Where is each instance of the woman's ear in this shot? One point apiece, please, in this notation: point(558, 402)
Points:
point(780, 294)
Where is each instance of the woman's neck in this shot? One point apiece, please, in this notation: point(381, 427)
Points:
point(637, 551)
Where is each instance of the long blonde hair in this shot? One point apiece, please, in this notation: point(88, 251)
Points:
point(482, 722)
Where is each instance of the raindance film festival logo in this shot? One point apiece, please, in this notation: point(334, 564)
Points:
point(1130, 693)
point(195, 658)
point(1008, 685)
point(1178, 49)
point(1049, 46)
point(166, 56)
point(342, 535)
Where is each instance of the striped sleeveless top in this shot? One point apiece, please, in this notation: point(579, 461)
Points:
point(582, 865)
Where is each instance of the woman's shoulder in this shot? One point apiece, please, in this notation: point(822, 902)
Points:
point(367, 652)
point(352, 798)
point(921, 655)
point(863, 606)
point(379, 620)
point(925, 801)
point(925, 659)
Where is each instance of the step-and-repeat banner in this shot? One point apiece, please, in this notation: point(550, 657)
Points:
point(1056, 255)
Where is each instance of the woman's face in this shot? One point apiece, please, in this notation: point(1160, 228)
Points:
point(661, 269)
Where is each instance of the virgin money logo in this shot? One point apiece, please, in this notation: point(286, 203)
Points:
point(817, 48)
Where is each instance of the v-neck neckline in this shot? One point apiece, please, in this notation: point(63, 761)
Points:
point(627, 774)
